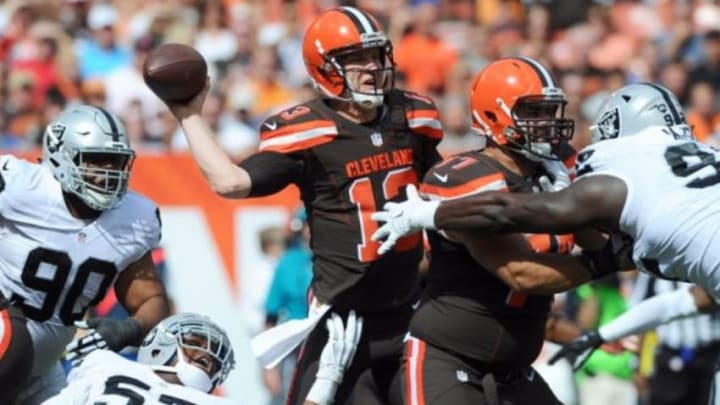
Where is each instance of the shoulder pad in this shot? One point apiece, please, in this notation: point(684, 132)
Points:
point(462, 175)
point(296, 129)
point(145, 214)
point(421, 113)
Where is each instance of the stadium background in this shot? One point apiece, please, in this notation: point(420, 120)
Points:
point(55, 52)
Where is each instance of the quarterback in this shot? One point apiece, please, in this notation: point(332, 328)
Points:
point(70, 230)
point(349, 150)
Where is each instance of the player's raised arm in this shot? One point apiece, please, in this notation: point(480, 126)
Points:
point(593, 202)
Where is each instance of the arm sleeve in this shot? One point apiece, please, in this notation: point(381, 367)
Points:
point(270, 172)
point(650, 314)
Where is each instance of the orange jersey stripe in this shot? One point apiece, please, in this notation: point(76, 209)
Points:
point(492, 182)
point(297, 146)
point(515, 299)
point(546, 243)
point(5, 331)
point(425, 122)
point(433, 114)
point(414, 359)
point(294, 128)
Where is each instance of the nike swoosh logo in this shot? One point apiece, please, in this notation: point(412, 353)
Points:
point(5, 165)
point(443, 178)
point(271, 125)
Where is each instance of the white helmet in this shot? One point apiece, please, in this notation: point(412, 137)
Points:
point(635, 107)
point(163, 346)
point(71, 140)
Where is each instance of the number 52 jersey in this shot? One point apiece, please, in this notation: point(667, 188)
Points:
point(54, 266)
point(107, 378)
point(672, 208)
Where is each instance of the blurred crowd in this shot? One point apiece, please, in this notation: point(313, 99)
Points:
point(54, 52)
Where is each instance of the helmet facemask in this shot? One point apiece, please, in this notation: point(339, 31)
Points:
point(178, 343)
point(381, 80)
point(539, 126)
point(100, 178)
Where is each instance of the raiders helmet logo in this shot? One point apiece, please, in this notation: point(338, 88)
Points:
point(57, 130)
point(609, 125)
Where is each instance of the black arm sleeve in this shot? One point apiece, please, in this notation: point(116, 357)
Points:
point(270, 172)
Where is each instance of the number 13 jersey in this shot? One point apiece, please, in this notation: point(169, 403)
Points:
point(672, 208)
point(347, 171)
point(54, 266)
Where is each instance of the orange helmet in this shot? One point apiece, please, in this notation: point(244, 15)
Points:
point(337, 33)
point(515, 102)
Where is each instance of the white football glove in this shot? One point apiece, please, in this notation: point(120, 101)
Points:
point(560, 176)
point(404, 218)
point(335, 357)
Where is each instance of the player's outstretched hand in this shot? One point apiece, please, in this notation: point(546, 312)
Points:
point(340, 347)
point(403, 218)
point(103, 333)
point(578, 351)
point(336, 357)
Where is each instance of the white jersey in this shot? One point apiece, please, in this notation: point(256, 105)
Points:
point(105, 377)
point(672, 210)
point(53, 265)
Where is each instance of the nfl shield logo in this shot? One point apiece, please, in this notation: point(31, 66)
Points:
point(376, 139)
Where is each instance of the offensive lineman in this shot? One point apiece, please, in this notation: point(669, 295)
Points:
point(644, 178)
point(70, 231)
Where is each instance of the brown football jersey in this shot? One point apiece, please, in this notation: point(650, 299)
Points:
point(469, 310)
point(349, 171)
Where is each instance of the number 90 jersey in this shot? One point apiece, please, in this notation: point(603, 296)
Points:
point(54, 266)
point(672, 208)
point(348, 171)
point(107, 378)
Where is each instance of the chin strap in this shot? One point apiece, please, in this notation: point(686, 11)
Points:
point(188, 374)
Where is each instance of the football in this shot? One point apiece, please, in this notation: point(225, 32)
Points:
point(175, 72)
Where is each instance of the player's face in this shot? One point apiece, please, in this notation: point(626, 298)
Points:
point(96, 165)
point(365, 70)
point(538, 117)
point(200, 358)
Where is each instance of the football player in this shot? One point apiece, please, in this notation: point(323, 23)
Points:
point(184, 358)
point(71, 230)
point(180, 361)
point(476, 335)
point(645, 179)
point(350, 150)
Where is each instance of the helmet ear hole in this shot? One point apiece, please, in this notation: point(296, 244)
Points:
point(490, 115)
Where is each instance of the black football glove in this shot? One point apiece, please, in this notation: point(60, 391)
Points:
point(579, 350)
point(103, 333)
